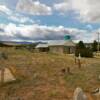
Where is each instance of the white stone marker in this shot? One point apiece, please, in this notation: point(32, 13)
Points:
point(79, 95)
point(8, 76)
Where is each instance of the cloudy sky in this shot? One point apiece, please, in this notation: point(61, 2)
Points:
point(30, 20)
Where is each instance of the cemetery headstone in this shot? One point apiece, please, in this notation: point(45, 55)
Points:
point(79, 61)
point(6, 76)
point(79, 95)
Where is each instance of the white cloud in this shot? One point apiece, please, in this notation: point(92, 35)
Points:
point(5, 10)
point(63, 7)
point(33, 7)
point(14, 16)
point(10, 29)
point(87, 10)
point(42, 32)
point(20, 19)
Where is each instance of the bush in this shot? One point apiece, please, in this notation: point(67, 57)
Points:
point(83, 51)
point(94, 46)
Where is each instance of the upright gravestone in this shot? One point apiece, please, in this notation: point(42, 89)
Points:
point(6, 76)
point(79, 95)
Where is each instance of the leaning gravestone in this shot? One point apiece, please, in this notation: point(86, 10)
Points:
point(79, 95)
point(7, 76)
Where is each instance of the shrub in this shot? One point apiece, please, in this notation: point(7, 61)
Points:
point(83, 51)
point(94, 46)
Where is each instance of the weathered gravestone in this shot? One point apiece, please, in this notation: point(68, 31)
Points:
point(79, 95)
point(6, 75)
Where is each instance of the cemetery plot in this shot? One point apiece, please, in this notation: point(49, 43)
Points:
point(47, 76)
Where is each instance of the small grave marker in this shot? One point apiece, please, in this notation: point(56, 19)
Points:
point(6, 75)
point(79, 61)
point(79, 95)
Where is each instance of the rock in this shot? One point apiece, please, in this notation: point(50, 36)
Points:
point(96, 91)
point(79, 95)
point(7, 76)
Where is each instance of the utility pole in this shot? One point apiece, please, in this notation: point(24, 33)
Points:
point(98, 48)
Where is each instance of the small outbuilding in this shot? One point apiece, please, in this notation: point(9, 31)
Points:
point(62, 46)
point(42, 47)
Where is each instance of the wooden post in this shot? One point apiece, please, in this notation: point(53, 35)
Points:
point(79, 61)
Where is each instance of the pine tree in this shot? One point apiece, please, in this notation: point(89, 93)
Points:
point(94, 46)
point(82, 50)
point(81, 45)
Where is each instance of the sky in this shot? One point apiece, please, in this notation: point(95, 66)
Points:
point(33, 20)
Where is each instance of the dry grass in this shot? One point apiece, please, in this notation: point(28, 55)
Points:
point(40, 77)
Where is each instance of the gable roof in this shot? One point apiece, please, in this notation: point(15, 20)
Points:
point(61, 43)
point(42, 45)
point(56, 43)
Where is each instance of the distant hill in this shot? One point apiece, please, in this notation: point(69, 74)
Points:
point(24, 44)
point(14, 43)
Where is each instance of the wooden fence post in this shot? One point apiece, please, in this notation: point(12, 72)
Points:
point(79, 61)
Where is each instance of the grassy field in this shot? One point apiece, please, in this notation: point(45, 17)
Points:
point(40, 77)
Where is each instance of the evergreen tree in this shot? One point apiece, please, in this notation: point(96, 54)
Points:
point(82, 50)
point(94, 46)
point(81, 45)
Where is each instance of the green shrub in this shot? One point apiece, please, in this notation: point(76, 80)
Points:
point(83, 51)
point(94, 46)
